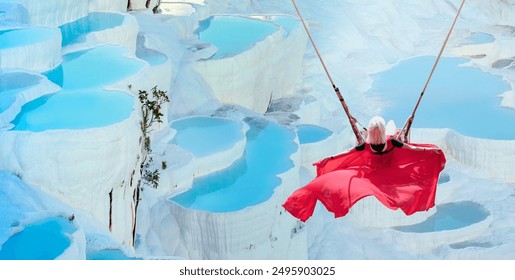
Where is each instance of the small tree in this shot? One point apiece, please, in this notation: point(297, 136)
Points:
point(150, 113)
point(151, 105)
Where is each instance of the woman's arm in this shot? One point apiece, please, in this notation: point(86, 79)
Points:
point(418, 148)
point(399, 144)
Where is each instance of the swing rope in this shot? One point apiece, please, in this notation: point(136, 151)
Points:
point(352, 120)
point(404, 133)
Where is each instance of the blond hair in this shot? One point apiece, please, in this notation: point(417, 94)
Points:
point(376, 131)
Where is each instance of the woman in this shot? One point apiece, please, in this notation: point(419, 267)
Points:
point(399, 175)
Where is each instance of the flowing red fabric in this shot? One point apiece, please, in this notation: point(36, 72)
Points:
point(399, 178)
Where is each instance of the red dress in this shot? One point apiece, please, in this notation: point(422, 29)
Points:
point(399, 178)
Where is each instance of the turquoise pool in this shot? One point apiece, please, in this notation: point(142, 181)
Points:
point(312, 133)
point(249, 181)
point(98, 67)
point(74, 109)
point(24, 36)
point(479, 38)
point(450, 216)
point(43, 240)
point(203, 136)
point(108, 254)
point(75, 32)
point(82, 103)
point(233, 34)
point(464, 99)
point(11, 84)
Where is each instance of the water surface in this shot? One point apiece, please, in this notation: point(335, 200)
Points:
point(233, 34)
point(250, 180)
point(43, 240)
point(203, 136)
point(24, 36)
point(450, 216)
point(74, 109)
point(464, 99)
point(76, 31)
point(312, 133)
point(13, 83)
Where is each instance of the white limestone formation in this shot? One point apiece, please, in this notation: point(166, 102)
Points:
point(233, 80)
